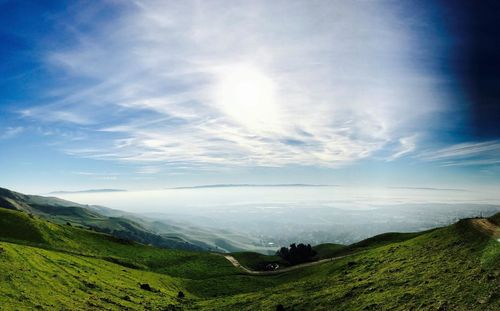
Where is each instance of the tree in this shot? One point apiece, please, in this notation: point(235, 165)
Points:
point(283, 253)
point(296, 253)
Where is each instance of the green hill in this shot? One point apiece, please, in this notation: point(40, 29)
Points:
point(125, 225)
point(451, 268)
point(21, 228)
point(256, 261)
point(62, 211)
point(51, 266)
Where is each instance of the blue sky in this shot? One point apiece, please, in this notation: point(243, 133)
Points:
point(152, 94)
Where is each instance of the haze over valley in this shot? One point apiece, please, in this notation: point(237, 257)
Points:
point(280, 215)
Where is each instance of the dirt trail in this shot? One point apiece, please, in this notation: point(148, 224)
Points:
point(237, 264)
point(486, 226)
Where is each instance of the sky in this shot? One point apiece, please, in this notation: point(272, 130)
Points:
point(144, 95)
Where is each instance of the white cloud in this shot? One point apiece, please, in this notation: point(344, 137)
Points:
point(11, 132)
point(149, 170)
point(51, 113)
point(95, 173)
point(464, 154)
point(406, 145)
point(263, 83)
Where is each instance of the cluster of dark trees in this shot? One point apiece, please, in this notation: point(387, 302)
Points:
point(296, 254)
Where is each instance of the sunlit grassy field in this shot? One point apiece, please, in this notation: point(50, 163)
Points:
point(49, 266)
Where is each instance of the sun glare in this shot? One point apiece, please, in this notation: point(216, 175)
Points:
point(247, 95)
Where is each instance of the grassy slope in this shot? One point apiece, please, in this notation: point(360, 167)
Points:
point(18, 227)
point(36, 278)
point(127, 226)
point(456, 266)
point(62, 211)
point(26, 237)
point(257, 261)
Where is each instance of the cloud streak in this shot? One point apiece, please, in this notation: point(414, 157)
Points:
point(204, 84)
point(406, 145)
point(11, 132)
point(465, 154)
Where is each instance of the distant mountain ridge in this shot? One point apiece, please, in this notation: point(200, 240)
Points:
point(88, 191)
point(253, 185)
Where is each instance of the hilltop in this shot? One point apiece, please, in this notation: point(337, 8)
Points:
point(49, 265)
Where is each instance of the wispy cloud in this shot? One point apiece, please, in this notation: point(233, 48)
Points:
point(52, 113)
point(406, 145)
point(431, 189)
point(98, 175)
point(94, 174)
point(202, 84)
point(255, 186)
point(149, 170)
point(11, 132)
point(464, 154)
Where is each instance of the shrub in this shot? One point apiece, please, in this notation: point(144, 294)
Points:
point(297, 253)
point(147, 287)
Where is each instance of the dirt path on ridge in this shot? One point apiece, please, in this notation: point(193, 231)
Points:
point(237, 264)
point(486, 226)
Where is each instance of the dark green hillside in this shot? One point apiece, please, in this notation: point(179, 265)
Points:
point(495, 219)
point(19, 227)
point(451, 268)
point(62, 211)
point(328, 250)
point(126, 225)
point(256, 261)
point(29, 203)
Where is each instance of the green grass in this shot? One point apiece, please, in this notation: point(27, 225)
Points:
point(328, 250)
point(258, 261)
point(51, 266)
point(18, 227)
point(47, 280)
point(441, 269)
point(62, 211)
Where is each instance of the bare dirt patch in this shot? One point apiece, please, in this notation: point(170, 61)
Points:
point(486, 226)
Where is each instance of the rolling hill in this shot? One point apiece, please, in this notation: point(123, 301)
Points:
point(48, 265)
point(127, 225)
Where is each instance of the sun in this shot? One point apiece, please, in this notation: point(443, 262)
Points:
point(247, 95)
